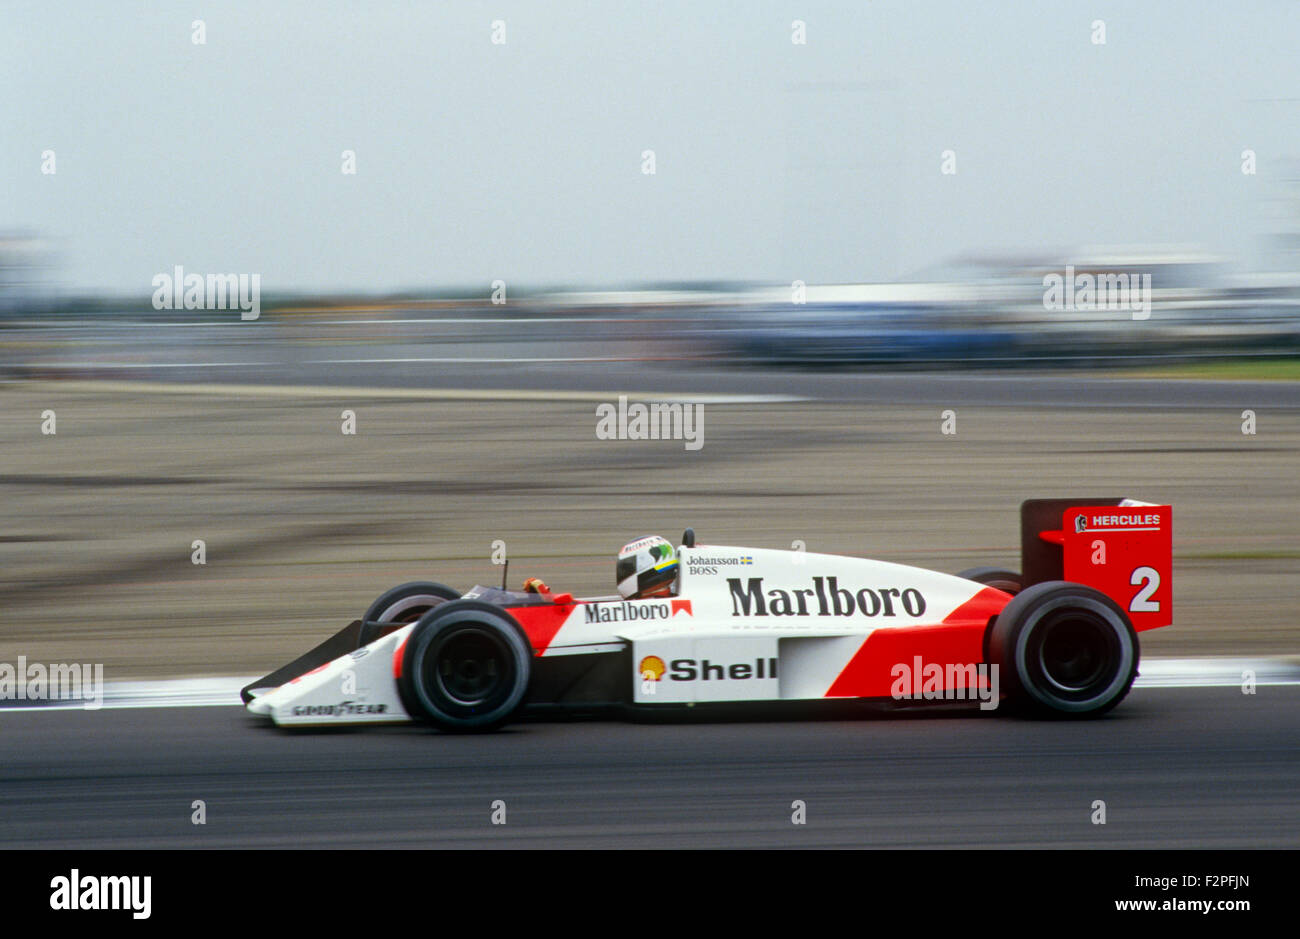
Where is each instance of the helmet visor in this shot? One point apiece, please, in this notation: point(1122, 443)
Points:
point(626, 568)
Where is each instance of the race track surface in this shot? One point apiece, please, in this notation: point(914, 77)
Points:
point(1176, 768)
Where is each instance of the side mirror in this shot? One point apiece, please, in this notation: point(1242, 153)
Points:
point(688, 538)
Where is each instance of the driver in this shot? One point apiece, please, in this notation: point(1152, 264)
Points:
point(646, 567)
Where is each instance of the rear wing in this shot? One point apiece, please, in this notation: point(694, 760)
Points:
point(1122, 547)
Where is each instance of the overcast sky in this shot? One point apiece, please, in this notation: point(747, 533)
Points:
point(523, 161)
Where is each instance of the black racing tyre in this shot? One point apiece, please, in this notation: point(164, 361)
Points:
point(998, 577)
point(465, 667)
point(1064, 650)
point(403, 604)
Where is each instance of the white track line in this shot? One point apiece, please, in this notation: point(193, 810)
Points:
point(165, 693)
point(1215, 673)
point(212, 692)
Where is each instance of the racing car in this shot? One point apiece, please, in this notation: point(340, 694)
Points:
point(701, 624)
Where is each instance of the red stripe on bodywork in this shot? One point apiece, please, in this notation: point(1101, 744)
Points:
point(958, 640)
point(397, 656)
point(541, 623)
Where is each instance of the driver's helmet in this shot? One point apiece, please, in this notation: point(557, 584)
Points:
point(646, 567)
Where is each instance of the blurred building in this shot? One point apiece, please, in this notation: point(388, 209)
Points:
point(26, 274)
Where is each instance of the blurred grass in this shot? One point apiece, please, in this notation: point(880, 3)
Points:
point(1245, 369)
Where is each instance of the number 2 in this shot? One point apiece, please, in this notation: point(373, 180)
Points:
point(1142, 603)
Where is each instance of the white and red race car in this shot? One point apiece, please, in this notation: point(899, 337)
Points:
point(760, 625)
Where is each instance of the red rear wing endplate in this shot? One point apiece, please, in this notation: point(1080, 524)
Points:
point(1126, 553)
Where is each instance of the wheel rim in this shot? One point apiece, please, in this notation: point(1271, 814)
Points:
point(470, 667)
point(397, 614)
point(1077, 652)
point(409, 609)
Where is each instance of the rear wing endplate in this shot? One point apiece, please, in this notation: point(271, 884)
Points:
point(1122, 547)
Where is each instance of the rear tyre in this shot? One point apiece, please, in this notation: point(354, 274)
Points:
point(401, 605)
point(998, 577)
point(465, 668)
point(1064, 650)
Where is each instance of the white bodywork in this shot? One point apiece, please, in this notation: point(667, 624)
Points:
point(751, 624)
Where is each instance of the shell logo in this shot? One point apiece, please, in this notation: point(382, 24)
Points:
point(652, 667)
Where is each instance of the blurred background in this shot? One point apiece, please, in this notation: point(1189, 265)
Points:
point(884, 186)
point(472, 224)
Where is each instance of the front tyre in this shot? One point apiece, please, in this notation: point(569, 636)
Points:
point(402, 604)
point(465, 668)
point(1064, 650)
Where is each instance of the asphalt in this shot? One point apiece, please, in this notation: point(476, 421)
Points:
point(1176, 768)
